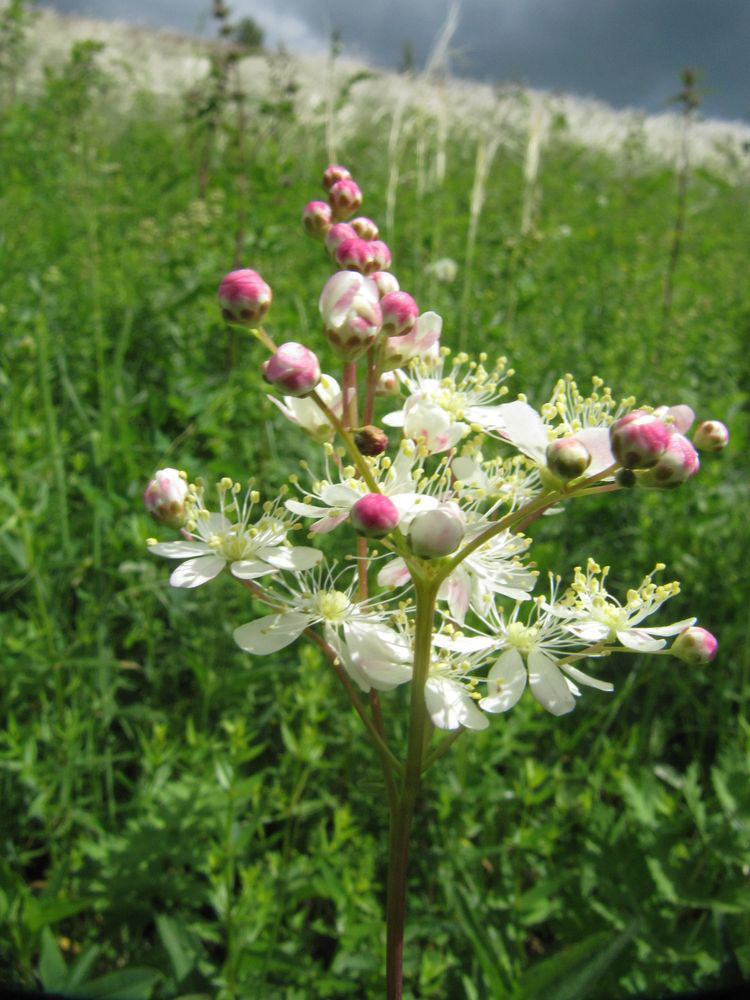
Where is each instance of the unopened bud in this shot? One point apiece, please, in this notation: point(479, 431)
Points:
point(400, 313)
point(293, 369)
point(695, 646)
point(371, 440)
point(567, 458)
point(317, 219)
point(711, 435)
point(336, 235)
point(374, 515)
point(344, 198)
point(365, 228)
point(388, 385)
point(674, 467)
point(386, 282)
point(164, 497)
point(638, 440)
point(436, 533)
point(381, 255)
point(335, 173)
point(625, 478)
point(356, 255)
point(244, 297)
point(350, 310)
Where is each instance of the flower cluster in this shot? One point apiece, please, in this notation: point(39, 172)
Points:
point(446, 602)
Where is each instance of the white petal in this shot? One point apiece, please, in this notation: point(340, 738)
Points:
point(450, 705)
point(578, 675)
point(525, 428)
point(488, 417)
point(683, 417)
point(297, 558)
point(672, 629)
point(507, 680)
point(394, 419)
point(272, 632)
point(589, 631)
point(548, 685)
point(194, 572)
point(250, 569)
point(179, 550)
point(339, 495)
point(328, 523)
point(639, 640)
point(596, 441)
point(394, 574)
point(305, 509)
point(464, 643)
point(458, 593)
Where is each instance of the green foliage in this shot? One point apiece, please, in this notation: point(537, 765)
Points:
point(180, 820)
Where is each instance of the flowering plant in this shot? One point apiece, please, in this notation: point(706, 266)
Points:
point(445, 601)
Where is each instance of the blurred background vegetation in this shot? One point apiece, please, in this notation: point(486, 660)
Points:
point(179, 819)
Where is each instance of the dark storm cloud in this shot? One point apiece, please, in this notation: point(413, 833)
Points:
point(627, 52)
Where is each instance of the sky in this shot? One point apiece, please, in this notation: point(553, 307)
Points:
point(626, 52)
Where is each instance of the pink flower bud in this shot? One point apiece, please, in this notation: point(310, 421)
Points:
point(335, 173)
point(711, 435)
point(421, 340)
point(638, 439)
point(165, 496)
point(370, 440)
point(388, 385)
point(567, 458)
point(356, 255)
point(351, 314)
point(400, 313)
point(317, 219)
point(436, 533)
point(381, 255)
point(293, 369)
point(336, 235)
point(695, 646)
point(344, 198)
point(386, 282)
point(244, 297)
point(674, 467)
point(365, 228)
point(374, 515)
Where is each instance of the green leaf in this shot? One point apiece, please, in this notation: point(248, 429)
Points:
point(125, 984)
point(177, 944)
point(42, 911)
point(52, 969)
point(573, 972)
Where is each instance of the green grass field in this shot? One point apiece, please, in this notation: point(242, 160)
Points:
point(179, 819)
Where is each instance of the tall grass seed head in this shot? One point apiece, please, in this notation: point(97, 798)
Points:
point(374, 515)
point(244, 297)
point(164, 497)
point(695, 646)
point(711, 435)
point(293, 369)
point(638, 439)
point(678, 463)
point(317, 219)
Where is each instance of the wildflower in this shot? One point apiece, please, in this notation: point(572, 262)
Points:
point(421, 339)
point(244, 297)
point(695, 645)
point(351, 313)
point(293, 368)
point(370, 440)
point(336, 235)
point(307, 415)
point(164, 497)
point(638, 440)
point(215, 540)
point(711, 435)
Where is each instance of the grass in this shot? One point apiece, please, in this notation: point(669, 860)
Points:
point(188, 821)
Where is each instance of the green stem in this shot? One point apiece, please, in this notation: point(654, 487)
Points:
point(361, 466)
point(401, 816)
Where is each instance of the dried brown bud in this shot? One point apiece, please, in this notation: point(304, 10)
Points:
point(371, 440)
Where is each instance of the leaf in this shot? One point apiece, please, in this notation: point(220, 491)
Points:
point(42, 911)
point(125, 984)
point(573, 972)
point(177, 945)
point(52, 969)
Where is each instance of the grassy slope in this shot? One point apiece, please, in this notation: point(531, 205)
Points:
point(218, 819)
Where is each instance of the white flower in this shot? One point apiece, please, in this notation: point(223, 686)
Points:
point(251, 550)
point(396, 351)
point(599, 617)
point(510, 482)
point(373, 654)
point(307, 415)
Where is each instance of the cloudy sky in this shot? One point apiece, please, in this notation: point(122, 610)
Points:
point(626, 52)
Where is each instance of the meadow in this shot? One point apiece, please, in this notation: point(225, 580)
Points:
point(180, 819)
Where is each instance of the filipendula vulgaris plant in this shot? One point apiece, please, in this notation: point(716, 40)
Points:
point(446, 602)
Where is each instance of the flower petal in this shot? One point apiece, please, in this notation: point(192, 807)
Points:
point(194, 572)
point(507, 680)
point(394, 574)
point(548, 685)
point(250, 569)
point(525, 428)
point(272, 632)
point(582, 678)
point(639, 640)
point(672, 629)
point(589, 631)
point(596, 442)
point(297, 558)
point(328, 523)
point(450, 705)
point(179, 550)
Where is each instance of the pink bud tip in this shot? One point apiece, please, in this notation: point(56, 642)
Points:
point(374, 515)
point(678, 463)
point(711, 435)
point(567, 458)
point(400, 313)
point(386, 282)
point(436, 533)
point(365, 228)
point(336, 235)
point(293, 369)
point(317, 219)
point(356, 255)
point(381, 255)
point(333, 174)
point(638, 440)
point(164, 497)
point(695, 646)
point(344, 198)
point(244, 297)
